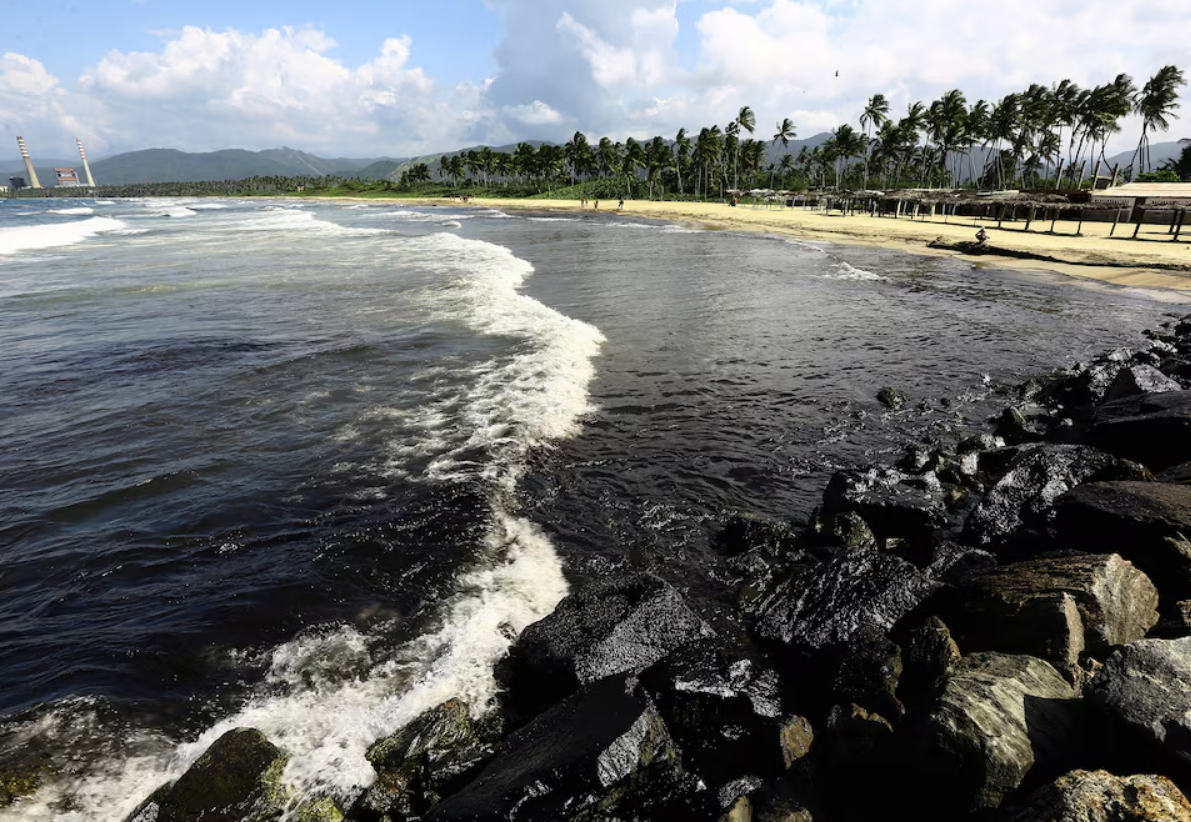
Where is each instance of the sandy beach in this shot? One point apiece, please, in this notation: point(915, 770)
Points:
point(1120, 260)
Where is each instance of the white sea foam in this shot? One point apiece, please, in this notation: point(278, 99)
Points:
point(847, 271)
point(285, 219)
point(208, 206)
point(451, 224)
point(331, 693)
point(54, 235)
point(552, 219)
point(76, 210)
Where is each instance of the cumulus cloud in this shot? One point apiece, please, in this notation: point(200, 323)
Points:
point(616, 67)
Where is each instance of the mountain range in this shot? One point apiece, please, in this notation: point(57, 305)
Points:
point(159, 165)
point(167, 165)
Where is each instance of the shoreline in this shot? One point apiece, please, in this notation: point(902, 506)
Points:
point(1142, 263)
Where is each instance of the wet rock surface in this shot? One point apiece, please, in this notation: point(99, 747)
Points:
point(1148, 523)
point(426, 760)
point(238, 779)
point(622, 624)
point(998, 717)
point(603, 749)
point(1034, 478)
point(1146, 687)
point(1153, 429)
point(1098, 796)
point(1058, 609)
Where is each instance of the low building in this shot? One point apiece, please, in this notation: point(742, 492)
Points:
point(67, 177)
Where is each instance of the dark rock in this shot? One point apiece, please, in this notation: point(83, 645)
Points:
point(1140, 379)
point(1014, 427)
point(725, 714)
point(867, 671)
point(1034, 480)
point(855, 748)
point(1153, 429)
point(1098, 796)
point(601, 751)
point(1178, 474)
point(1146, 687)
point(1176, 623)
point(980, 442)
point(998, 717)
point(928, 656)
point(626, 623)
point(891, 398)
point(426, 760)
point(1147, 523)
point(780, 802)
point(955, 564)
point(748, 532)
point(22, 773)
point(1056, 609)
point(851, 531)
point(829, 603)
point(741, 811)
point(238, 779)
point(892, 503)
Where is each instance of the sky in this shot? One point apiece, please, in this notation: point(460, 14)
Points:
point(399, 78)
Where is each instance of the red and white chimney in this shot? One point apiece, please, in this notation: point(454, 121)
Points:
point(33, 181)
point(86, 168)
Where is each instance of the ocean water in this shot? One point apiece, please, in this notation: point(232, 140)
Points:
point(310, 467)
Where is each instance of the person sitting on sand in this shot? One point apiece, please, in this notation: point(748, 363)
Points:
point(981, 237)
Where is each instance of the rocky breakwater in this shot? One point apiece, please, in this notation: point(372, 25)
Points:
point(992, 629)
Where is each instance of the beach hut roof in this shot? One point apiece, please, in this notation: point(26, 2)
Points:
point(1163, 190)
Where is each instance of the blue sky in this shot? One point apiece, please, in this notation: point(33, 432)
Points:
point(400, 78)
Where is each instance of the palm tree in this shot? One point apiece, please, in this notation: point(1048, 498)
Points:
point(748, 121)
point(682, 147)
point(1156, 103)
point(875, 115)
point(632, 161)
point(785, 132)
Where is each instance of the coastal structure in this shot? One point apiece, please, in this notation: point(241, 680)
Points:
point(86, 166)
point(67, 177)
point(33, 181)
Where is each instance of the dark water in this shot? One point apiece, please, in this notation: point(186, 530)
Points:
point(310, 469)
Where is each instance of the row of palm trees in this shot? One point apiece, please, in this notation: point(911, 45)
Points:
point(1057, 135)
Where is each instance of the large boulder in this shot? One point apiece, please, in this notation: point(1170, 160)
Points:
point(1146, 688)
point(237, 779)
point(1147, 523)
point(724, 712)
point(600, 751)
point(821, 604)
point(626, 623)
point(1153, 429)
point(1057, 609)
point(1033, 480)
point(999, 717)
point(421, 763)
point(1098, 796)
point(895, 505)
point(1140, 379)
point(749, 532)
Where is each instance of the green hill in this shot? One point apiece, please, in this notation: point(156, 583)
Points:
point(161, 165)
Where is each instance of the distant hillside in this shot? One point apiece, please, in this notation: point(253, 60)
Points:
point(161, 165)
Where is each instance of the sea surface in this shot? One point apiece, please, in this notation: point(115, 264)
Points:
point(310, 467)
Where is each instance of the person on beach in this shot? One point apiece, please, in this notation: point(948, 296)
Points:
point(620, 205)
point(597, 205)
point(981, 237)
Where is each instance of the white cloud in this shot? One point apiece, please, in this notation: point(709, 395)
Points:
point(616, 67)
point(536, 113)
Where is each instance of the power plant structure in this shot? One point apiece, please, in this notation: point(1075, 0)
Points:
point(86, 168)
point(66, 177)
point(33, 181)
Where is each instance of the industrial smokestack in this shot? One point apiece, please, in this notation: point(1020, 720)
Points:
point(33, 181)
point(86, 168)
